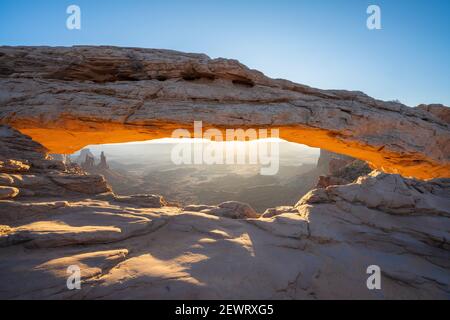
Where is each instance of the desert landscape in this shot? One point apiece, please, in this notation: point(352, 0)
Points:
point(375, 192)
point(148, 168)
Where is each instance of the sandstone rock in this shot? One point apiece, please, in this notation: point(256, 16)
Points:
point(438, 110)
point(324, 163)
point(32, 184)
point(6, 179)
point(13, 166)
point(43, 280)
point(143, 200)
point(69, 227)
point(228, 209)
point(352, 171)
point(13, 211)
point(103, 165)
point(88, 184)
point(138, 247)
point(326, 181)
point(88, 163)
point(237, 210)
point(64, 158)
point(336, 169)
point(4, 230)
point(272, 212)
point(82, 156)
point(198, 207)
point(15, 146)
point(57, 184)
point(389, 193)
point(49, 164)
point(320, 252)
point(336, 164)
point(38, 174)
point(8, 192)
point(388, 216)
point(285, 225)
point(141, 94)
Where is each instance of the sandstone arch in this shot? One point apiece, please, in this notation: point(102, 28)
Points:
point(66, 98)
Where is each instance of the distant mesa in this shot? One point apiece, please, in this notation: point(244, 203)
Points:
point(103, 164)
point(83, 155)
point(87, 160)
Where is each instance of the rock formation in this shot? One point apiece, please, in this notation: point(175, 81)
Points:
point(336, 169)
point(117, 179)
point(53, 215)
point(8, 192)
point(89, 163)
point(103, 165)
point(61, 157)
point(66, 98)
point(228, 209)
point(440, 111)
point(82, 156)
point(33, 172)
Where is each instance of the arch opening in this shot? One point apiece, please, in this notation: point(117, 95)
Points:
point(73, 135)
point(149, 167)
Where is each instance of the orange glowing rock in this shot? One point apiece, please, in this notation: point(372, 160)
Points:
point(93, 95)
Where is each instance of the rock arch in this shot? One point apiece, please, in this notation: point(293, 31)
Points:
point(66, 98)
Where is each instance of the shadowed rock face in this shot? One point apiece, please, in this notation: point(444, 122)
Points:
point(336, 169)
point(26, 170)
point(67, 98)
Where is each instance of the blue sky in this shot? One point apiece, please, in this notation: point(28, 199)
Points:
point(321, 43)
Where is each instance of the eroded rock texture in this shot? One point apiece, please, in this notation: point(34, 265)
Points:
point(66, 98)
point(26, 166)
point(336, 169)
point(138, 247)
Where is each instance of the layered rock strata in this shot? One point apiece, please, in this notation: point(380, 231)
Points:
point(67, 98)
point(53, 215)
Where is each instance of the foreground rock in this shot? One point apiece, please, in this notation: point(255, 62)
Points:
point(388, 193)
point(228, 209)
point(91, 95)
point(137, 247)
point(272, 212)
point(337, 169)
point(143, 200)
point(66, 226)
point(30, 171)
point(8, 192)
point(319, 250)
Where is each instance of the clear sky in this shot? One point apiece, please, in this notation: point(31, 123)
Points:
point(321, 43)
